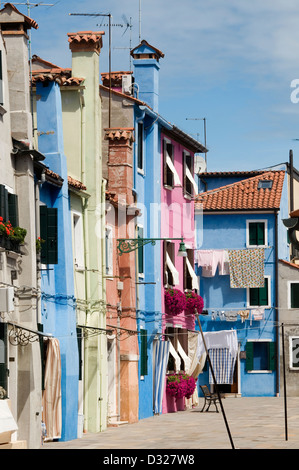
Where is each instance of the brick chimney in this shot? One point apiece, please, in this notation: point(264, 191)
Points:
point(146, 73)
point(120, 162)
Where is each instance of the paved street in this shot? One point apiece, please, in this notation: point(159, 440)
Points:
point(254, 423)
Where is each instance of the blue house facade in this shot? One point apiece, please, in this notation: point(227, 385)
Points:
point(58, 312)
point(240, 215)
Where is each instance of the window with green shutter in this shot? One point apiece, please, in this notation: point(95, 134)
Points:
point(257, 233)
point(9, 206)
point(143, 352)
point(259, 296)
point(294, 294)
point(49, 233)
point(260, 355)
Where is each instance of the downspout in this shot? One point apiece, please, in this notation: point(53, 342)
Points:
point(276, 303)
point(291, 196)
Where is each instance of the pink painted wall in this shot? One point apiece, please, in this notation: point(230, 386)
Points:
point(177, 220)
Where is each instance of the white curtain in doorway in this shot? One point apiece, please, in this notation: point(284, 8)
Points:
point(161, 360)
point(52, 393)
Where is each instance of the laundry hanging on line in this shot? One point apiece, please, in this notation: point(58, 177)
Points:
point(246, 268)
point(210, 260)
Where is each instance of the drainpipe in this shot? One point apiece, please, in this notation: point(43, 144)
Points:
point(276, 303)
point(291, 196)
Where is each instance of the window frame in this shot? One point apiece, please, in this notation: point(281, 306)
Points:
point(46, 252)
point(291, 366)
point(108, 251)
point(271, 350)
point(254, 221)
point(168, 247)
point(290, 294)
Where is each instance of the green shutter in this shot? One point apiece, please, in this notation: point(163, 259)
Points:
point(52, 236)
point(263, 294)
point(254, 296)
point(79, 342)
point(252, 234)
point(295, 295)
point(3, 202)
point(249, 355)
point(256, 233)
point(3, 356)
point(40, 327)
point(140, 252)
point(49, 233)
point(143, 351)
point(13, 214)
point(272, 356)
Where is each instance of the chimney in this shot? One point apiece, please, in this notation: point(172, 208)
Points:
point(14, 26)
point(120, 163)
point(146, 73)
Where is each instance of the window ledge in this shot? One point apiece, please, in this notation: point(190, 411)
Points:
point(259, 371)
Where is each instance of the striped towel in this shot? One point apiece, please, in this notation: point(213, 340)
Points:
point(223, 363)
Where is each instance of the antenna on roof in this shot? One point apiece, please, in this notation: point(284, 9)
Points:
point(205, 131)
point(109, 16)
point(128, 26)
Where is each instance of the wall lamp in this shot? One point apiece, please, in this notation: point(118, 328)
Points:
point(126, 245)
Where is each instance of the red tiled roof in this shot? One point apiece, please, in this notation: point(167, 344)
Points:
point(29, 21)
point(289, 263)
point(85, 36)
point(75, 183)
point(118, 133)
point(44, 71)
point(244, 195)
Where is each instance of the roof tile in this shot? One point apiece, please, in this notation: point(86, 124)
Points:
point(244, 195)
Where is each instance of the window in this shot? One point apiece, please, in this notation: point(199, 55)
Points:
point(49, 233)
point(293, 294)
point(188, 170)
point(78, 240)
point(168, 175)
point(294, 352)
point(190, 278)
point(171, 275)
point(140, 162)
point(257, 233)
point(143, 352)
point(260, 296)
point(9, 206)
point(265, 184)
point(179, 338)
point(260, 356)
point(109, 250)
point(140, 252)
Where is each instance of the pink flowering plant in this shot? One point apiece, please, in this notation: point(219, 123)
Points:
point(194, 302)
point(175, 301)
point(180, 385)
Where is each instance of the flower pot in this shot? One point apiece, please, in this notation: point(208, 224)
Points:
point(2, 241)
point(180, 404)
point(171, 403)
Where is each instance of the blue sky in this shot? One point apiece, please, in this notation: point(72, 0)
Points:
point(231, 62)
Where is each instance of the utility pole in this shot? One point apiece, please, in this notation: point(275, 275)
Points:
point(109, 16)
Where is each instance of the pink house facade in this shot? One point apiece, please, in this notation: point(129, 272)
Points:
point(177, 221)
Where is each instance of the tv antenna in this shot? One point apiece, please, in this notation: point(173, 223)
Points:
point(205, 131)
point(110, 17)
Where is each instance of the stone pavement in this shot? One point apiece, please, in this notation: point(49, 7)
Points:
point(254, 423)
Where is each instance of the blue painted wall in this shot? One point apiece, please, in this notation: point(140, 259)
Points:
point(149, 306)
point(57, 284)
point(228, 231)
